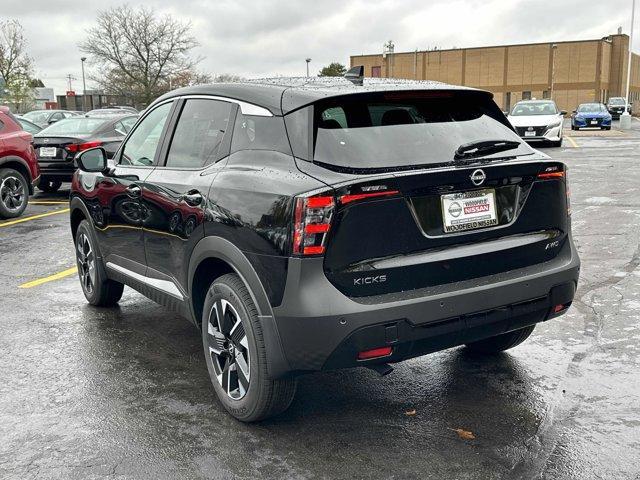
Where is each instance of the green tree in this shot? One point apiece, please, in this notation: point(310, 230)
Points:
point(334, 69)
point(36, 83)
point(19, 93)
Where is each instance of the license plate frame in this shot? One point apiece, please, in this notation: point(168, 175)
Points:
point(470, 210)
point(48, 152)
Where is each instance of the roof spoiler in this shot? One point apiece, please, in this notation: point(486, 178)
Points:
point(355, 75)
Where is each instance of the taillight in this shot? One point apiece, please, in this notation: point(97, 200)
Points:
point(549, 175)
point(312, 221)
point(79, 147)
point(344, 199)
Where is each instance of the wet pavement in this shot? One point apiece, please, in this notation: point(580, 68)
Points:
point(124, 393)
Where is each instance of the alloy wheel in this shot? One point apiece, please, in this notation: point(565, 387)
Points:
point(229, 349)
point(86, 263)
point(12, 193)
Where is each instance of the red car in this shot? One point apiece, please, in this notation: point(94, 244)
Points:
point(19, 170)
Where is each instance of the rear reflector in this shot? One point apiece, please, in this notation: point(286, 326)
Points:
point(558, 308)
point(375, 353)
point(547, 175)
point(344, 199)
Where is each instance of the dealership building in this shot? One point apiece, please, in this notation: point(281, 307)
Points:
point(570, 72)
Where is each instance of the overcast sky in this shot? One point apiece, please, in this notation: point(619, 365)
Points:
point(270, 37)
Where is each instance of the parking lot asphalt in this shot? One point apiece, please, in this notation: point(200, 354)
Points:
point(124, 393)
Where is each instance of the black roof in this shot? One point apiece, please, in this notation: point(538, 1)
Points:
point(283, 95)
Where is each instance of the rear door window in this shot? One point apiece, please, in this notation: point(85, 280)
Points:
point(198, 137)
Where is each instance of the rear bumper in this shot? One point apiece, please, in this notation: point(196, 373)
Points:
point(62, 171)
point(320, 328)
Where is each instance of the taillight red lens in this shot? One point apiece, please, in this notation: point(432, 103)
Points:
point(312, 221)
point(547, 175)
point(344, 199)
point(79, 147)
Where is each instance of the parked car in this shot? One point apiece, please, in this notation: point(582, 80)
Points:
point(57, 145)
point(18, 166)
point(314, 225)
point(103, 112)
point(44, 118)
point(591, 115)
point(28, 126)
point(538, 121)
point(122, 107)
point(616, 106)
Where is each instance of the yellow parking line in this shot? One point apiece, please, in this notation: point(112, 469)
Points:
point(47, 202)
point(572, 142)
point(33, 217)
point(50, 278)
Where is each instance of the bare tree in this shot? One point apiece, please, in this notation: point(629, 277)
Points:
point(14, 61)
point(137, 53)
point(227, 78)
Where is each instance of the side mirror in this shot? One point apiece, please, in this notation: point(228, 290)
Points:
point(563, 112)
point(92, 160)
point(575, 111)
point(53, 120)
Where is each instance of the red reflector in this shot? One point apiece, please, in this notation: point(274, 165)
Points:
point(551, 175)
point(375, 353)
point(318, 202)
point(316, 250)
point(558, 308)
point(316, 228)
point(344, 199)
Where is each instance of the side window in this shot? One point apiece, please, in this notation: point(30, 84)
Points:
point(56, 116)
point(141, 146)
point(334, 117)
point(259, 133)
point(199, 133)
point(124, 126)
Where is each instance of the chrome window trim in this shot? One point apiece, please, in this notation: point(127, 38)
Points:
point(245, 107)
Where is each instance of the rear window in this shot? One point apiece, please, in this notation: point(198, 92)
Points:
point(75, 126)
point(399, 130)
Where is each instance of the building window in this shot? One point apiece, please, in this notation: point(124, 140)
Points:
point(376, 72)
point(526, 95)
point(546, 94)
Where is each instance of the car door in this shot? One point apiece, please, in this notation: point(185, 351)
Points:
point(175, 193)
point(119, 231)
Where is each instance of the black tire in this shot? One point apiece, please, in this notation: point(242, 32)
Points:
point(252, 397)
point(500, 343)
point(14, 193)
point(607, 128)
point(49, 186)
point(97, 288)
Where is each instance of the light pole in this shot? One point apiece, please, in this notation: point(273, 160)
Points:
point(308, 60)
point(554, 48)
point(625, 118)
point(84, 87)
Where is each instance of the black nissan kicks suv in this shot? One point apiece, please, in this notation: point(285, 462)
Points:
point(314, 224)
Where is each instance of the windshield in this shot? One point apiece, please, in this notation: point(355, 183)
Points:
point(617, 101)
point(37, 116)
point(75, 126)
point(590, 108)
point(378, 133)
point(534, 108)
point(27, 126)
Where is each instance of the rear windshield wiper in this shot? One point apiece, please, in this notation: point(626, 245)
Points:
point(486, 147)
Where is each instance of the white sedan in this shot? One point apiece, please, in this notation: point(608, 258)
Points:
point(538, 121)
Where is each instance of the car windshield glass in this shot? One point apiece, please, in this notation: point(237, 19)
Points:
point(590, 108)
point(616, 101)
point(75, 126)
point(28, 126)
point(534, 108)
point(402, 129)
point(37, 116)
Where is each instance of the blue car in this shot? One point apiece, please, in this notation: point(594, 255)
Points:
point(591, 115)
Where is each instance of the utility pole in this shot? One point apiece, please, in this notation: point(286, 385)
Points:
point(84, 87)
point(308, 60)
point(625, 118)
point(69, 78)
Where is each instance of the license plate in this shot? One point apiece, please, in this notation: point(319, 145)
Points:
point(48, 151)
point(594, 122)
point(529, 134)
point(469, 210)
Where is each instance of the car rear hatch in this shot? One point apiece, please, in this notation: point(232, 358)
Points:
point(58, 149)
point(421, 219)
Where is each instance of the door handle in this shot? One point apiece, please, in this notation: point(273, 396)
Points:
point(192, 198)
point(134, 191)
